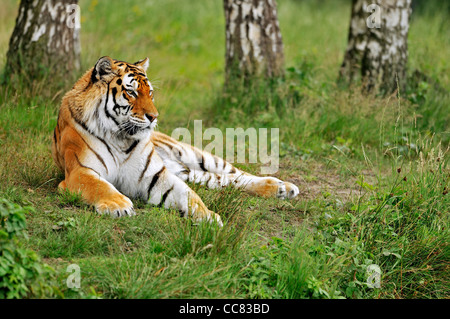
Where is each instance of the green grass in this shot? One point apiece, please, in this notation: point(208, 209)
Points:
point(373, 171)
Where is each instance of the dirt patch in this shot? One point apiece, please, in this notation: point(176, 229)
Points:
point(317, 179)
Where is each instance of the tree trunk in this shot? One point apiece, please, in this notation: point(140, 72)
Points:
point(254, 46)
point(377, 45)
point(45, 38)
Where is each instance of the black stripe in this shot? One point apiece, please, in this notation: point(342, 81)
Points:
point(171, 147)
point(87, 86)
point(164, 196)
point(54, 136)
point(94, 75)
point(210, 176)
point(106, 109)
point(84, 166)
point(107, 146)
point(149, 158)
point(96, 154)
point(202, 164)
point(115, 107)
point(185, 171)
point(135, 143)
point(154, 181)
point(97, 108)
point(165, 143)
point(83, 125)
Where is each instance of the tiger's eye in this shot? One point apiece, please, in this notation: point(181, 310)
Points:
point(132, 93)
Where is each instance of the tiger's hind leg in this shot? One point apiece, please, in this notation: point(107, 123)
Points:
point(167, 190)
point(194, 165)
point(255, 185)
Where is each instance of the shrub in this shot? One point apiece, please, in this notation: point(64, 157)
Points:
point(22, 274)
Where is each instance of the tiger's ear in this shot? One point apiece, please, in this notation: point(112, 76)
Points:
point(103, 70)
point(143, 63)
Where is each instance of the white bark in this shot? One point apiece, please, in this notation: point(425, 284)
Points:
point(45, 34)
point(378, 54)
point(253, 38)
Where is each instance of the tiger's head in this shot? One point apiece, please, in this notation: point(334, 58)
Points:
point(127, 106)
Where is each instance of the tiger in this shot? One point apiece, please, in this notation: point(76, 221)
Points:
point(106, 145)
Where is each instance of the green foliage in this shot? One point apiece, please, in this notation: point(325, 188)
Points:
point(403, 228)
point(22, 274)
point(68, 198)
point(275, 270)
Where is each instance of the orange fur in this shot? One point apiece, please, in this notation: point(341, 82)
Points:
point(98, 161)
point(69, 147)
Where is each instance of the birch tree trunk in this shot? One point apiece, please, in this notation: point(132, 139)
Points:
point(377, 45)
point(45, 38)
point(254, 46)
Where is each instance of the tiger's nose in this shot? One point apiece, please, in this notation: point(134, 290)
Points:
point(151, 116)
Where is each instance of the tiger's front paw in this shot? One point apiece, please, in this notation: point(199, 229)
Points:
point(201, 215)
point(200, 212)
point(270, 186)
point(116, 206)
point(291, 190)
point(287, 190)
